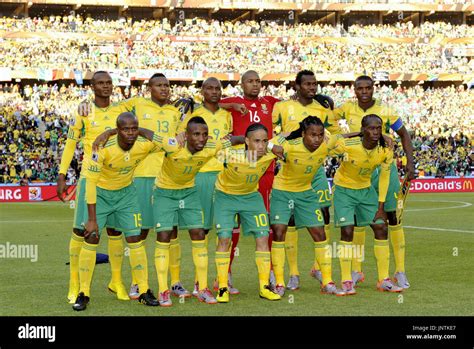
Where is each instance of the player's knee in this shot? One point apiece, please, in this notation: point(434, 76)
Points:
point(392, 218)
point(163, 236)
point(223, 244)
point(78, 232)
point(347, 233)
point(197, 234)
point(278, 233)
point(113, 232)
point(262, 244)
point(174, 233)
point(380, 231)
point(143, 235)
point(92, 240)
point(133, 239)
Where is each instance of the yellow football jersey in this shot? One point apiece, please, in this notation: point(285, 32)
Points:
point(180, 166)
point(288, 114)
point(163, 120)
point(219, 124)
point(358, 163)
point(89, 128)
point(112, 167)
point(241, 174)
point(301, 165)
point(350, 115)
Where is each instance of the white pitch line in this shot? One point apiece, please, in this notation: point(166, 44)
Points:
point(464, 204)
point(439, 229)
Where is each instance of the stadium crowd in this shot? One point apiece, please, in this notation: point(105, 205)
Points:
point(34, 121)
point(277, 57)
point(200, 26)
point(142, 45)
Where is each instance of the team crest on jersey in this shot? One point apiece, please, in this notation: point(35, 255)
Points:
point(264, 107)
point(95, 156)
point(295, 161)
point(172, 141)
point(94, 123)
point(146, 117)
point(127, 156)
point(236, 169)
point(73, 122)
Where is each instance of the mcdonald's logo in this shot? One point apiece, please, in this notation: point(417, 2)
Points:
point(467, 185)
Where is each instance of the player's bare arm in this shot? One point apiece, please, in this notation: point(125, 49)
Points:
point(408, 149)
point(61, 186)
point(241, 108)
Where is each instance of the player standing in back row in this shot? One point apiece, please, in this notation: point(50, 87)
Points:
point(351, 114)
point(257, 109)
point(288, 115)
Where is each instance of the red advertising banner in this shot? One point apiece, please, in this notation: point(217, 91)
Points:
point(444, 185)
point(33, 193)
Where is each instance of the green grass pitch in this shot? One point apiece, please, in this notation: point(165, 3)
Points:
point(440, 254)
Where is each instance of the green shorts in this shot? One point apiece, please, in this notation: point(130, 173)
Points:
point(393, 187)
point(177, 207)
point(303, 205)
point(81, 205)
point(321, 187)
point(361, 204)
point(205, 185)
point(118, 208)
point(144, 187)
point(250, 208)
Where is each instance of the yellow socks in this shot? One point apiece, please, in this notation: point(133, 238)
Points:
point(382, 254)
point(322, 253)
point(87, 258)
point(115, 249)
point(222, 265)
point(139, 264)
point(327, 230)
point(397, 238)
point(75, 245)
point(200, 259)
point(345, 259)
point(291, 246)
point(162, 262)
point(262, 259)
point(359, 245)
point(278, 261)
point(206, 241)
point(174, 260)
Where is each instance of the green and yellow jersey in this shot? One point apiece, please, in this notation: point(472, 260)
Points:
point(180, 166)
point(87, 128)
point(288, 114)
point(242, 172)
point(358, 163)
point(162, 120)
point(219, 125)
point(112, 168)
point(300, 165)
point(351, 115)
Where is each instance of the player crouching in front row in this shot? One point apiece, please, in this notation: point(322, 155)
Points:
point(354, 197)
point(110, 192)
